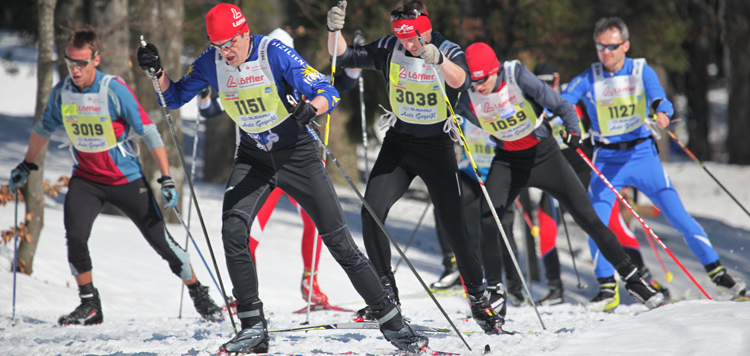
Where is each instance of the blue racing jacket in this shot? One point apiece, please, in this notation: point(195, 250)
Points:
point(287, 67)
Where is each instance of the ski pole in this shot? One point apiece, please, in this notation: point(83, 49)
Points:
point(333, 77)
point(362, 114)
point(312, 276)
point(190, 202)
point(190, 183)
point(645, 226)
point(15, 260)
point(385, 231)
point(667, 274)
point(581, 286)
point(689, 153)
point(190, 236)
point(413, 234)
point(484, 191)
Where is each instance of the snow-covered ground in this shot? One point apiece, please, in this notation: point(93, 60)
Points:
point(141, 297)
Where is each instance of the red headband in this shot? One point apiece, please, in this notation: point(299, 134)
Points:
point(405, 28)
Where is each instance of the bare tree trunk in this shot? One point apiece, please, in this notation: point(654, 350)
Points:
point(738, 32)
point(34, 191)
point(161, 24)
point(109, 17)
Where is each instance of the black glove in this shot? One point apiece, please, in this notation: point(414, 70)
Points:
point(148, 58)
point(358, 39)
point(572, 139)
point(20, 174)
point(304, 113)
point(205, 92)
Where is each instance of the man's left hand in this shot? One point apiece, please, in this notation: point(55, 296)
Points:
point(662, 120)
point(431, 54)
point(168, 191)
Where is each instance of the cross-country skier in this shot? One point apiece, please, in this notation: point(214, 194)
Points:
point(548, 214)
point(507, 101)
point(98, 111)
point(210, 107)
point(248, 71)
point(418, 142)
point(618, 92)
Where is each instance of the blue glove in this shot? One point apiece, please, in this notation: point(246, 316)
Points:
point(168, 192)
point(20, 174)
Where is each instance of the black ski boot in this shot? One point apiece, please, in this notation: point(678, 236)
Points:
point(90, 310)
point(204, 305)
point(608, 297)
point(253, 338)
point(389, 284)
point(450, 276)
point(555, 295)
point(396, 330)
point(724, 282)
point(498, 299)
point(484, 314)
point(515, 292)
point(641, 291)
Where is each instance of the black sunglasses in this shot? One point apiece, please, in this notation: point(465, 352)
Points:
point(227, 44)
point(79, 63)
point(406, 15)
point(480, 81)
point(611, 47)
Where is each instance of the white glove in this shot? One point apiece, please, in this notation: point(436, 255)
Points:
point(431, 54)
point(336, 17)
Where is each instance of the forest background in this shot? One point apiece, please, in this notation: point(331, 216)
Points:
point(699, 48)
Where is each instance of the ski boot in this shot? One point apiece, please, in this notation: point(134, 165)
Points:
point(724, 282)
point(498, 299)
point(389, 284)
point(641, 291)
point(90, 310)
point(515, 292)
point(317, 296)
point(204, 305)
point(450, 276)
point(396, 330)
point(484, 314)
point(646, 275)
point(608, 297)
point(555, 295)
point(253, 338)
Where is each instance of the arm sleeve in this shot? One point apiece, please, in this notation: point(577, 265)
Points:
point(373, 55)
point(654, 91)
point(457, 56)
point(151, 136)
point(52, 116)
point(577, 88)
point(214, 108)
point(547, 97)
point(343, 82)
point(196, 79)
point(126, 106)
point(287, 64)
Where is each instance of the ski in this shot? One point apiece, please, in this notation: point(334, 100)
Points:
point(425, 351)
point(323, 306)
point(360, 326)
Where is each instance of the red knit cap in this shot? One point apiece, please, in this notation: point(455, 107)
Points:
point(482, 60)
point(224, 21)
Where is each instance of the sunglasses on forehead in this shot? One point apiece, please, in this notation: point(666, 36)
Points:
point(227, 44)
point(611, 47)
point(79, 63)
point(406, 15)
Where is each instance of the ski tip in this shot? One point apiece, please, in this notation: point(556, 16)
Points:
point(487, 349)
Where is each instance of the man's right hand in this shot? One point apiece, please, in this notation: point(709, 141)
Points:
point(148, 59)
point(20, 174)
point(336, 17)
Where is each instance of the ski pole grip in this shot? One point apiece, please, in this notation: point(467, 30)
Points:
point(421, 39)
point(143, 41)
